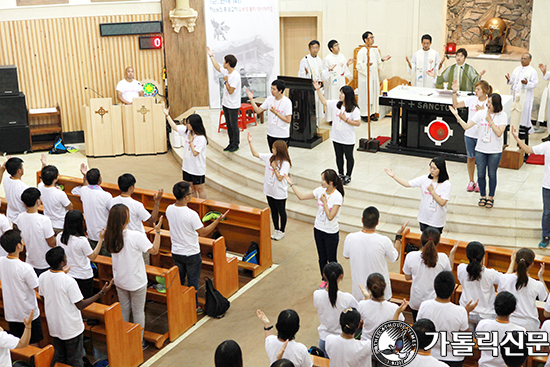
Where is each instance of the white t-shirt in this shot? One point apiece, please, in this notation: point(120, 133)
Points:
point(330, 316)
point(482, 290)
point(61, 292)
point(446, 317)
point(272, 186)
point(426, 361)
point(488, 142)
point(430, 212)
point(184, 224)
point(35, 228)
point(194, 165)
point(487, 359)
point(422, 287)
point(7, 342)
point(342, 132)
point(348, 352)
point(277, 128)
point(294, 352)
point(96, 204)
point(138, 213)
point(471, 104)
point(544, 148)
point(375, 313)
point(18, 283)
point(546, 327)
point(77, 250)
point(128, 265)
point(367, 253)
point(526, 313)
point(4, 226)
point(13, 189)
point(129, 90)
point(54, 201)
point(321, 221)
point(232, 100)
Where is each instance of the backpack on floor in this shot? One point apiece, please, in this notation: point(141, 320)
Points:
point(216, 304)
point(253, 254)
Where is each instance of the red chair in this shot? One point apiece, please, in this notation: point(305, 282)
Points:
point(244, 115)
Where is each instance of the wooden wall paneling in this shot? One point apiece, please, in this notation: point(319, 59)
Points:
point(186, 61)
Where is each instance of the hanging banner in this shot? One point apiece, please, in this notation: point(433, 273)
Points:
point(249, 30)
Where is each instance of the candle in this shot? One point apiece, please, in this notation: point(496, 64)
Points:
point(385, 87)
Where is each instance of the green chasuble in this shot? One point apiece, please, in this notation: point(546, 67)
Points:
point(467, 83)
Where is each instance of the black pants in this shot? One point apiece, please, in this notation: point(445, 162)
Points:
point(414, 314)
point(69, 351)
point(424, 226)
point(453, 363)
point(271, 140)
point(344, 149)
point(327, 247)
point(232, 122)
point(277, 207)
point(86, 287)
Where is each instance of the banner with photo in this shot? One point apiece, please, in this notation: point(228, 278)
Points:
point(249, 30)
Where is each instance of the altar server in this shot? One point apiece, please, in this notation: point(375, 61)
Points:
point(422, 62)
point(465, 74)
point(376, 65)
point(335, 72)
point(311, 67)
point(523, 82)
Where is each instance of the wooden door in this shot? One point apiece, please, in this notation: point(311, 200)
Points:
point(296, 33)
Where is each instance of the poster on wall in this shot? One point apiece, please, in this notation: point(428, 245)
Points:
point(249, 30)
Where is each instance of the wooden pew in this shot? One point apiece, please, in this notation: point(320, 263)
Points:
point(42, 357)
point(226, 272)
point(119, 335)
point(180, 300)
point(319, 361)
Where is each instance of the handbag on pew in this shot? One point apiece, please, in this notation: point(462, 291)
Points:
point(216, 305)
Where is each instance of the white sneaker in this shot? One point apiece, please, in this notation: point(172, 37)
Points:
point(281, 236)
point(274, 235)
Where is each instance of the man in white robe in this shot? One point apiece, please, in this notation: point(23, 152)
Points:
point(423, 62)
point(523, 81)
point(311, 67)
point(376, 65)
point(335, 72)
point(545, 102)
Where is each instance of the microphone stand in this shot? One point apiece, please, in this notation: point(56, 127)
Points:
point(94, 91)
point(471, 93)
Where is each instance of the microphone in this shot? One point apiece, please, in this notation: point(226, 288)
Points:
point(94, 91)
point(471, 81)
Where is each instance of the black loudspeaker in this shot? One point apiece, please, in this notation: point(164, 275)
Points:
point(15, 139)
point(13, 111)
point(9, 84)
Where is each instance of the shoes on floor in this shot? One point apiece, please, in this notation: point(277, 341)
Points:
point(373, 118)
point(347, 180)
point(476, 189)
point(144, 345)
point(200, 311)
point(544, 242)
point(277, 235)
point(546, 139)
point(323, 285)
point(227, 148)
point(274, 235)
point(281, 235)
point(233, 149)
point(471, 186)
point(365, 118)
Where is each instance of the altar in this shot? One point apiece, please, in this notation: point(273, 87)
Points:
point(422, 124)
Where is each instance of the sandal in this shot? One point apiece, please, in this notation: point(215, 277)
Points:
point(490, 203)
point(482, 202)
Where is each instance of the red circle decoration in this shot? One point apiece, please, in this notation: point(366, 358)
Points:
point(439, 130)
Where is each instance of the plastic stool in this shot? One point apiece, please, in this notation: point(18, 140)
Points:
point(243, 114)
point(223, 125)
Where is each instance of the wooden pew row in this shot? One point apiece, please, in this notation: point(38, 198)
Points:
point(180, 300)
point(42, 357)
point(226, 272)
point(319, 361)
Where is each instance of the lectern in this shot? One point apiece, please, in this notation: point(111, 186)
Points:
point(144, 126)
point(102, 128)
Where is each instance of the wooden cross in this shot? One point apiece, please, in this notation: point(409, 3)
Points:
point(102, 112)
point(143, 111)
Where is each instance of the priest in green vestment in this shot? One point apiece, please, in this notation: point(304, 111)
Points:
point(464, 73)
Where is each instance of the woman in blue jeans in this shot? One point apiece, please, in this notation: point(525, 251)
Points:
point(491, 123)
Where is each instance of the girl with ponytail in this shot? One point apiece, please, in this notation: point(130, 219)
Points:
point(330, 196)
point(344, 350)
point(375, 310)
point(478, 283)
point(330, 302)
point(526, 290)
point(423, 266)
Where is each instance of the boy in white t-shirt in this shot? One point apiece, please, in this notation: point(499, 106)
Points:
point(62, 304)
point(344, 349)
point(19, 283)
point(36, 229)
point(288, 324)
point(13, 186)
point(8, 341)
point(185, 229)
point(56, 203)
point(424, 357)
point(368, 251)
point(279, 115)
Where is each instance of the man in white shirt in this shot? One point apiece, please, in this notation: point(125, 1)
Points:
point(311, 67)
point(231, 101)
point(13, 186)
point(55, 201)
point(368, 251)
point(424, 357)
point(36, 230)
point(128, 88)
point(424, 61)
point(522, 82)
point(63, 302)
point(19, 283)
point(8, 341)
point(376, 65)
point(279, 115)
point(335, 72)
point(185, 229)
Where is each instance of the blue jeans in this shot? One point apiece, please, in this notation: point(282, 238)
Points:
point(470, 146)
point(487, 162)
point(322, 347)
point(545, 212)
point(189, 266)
